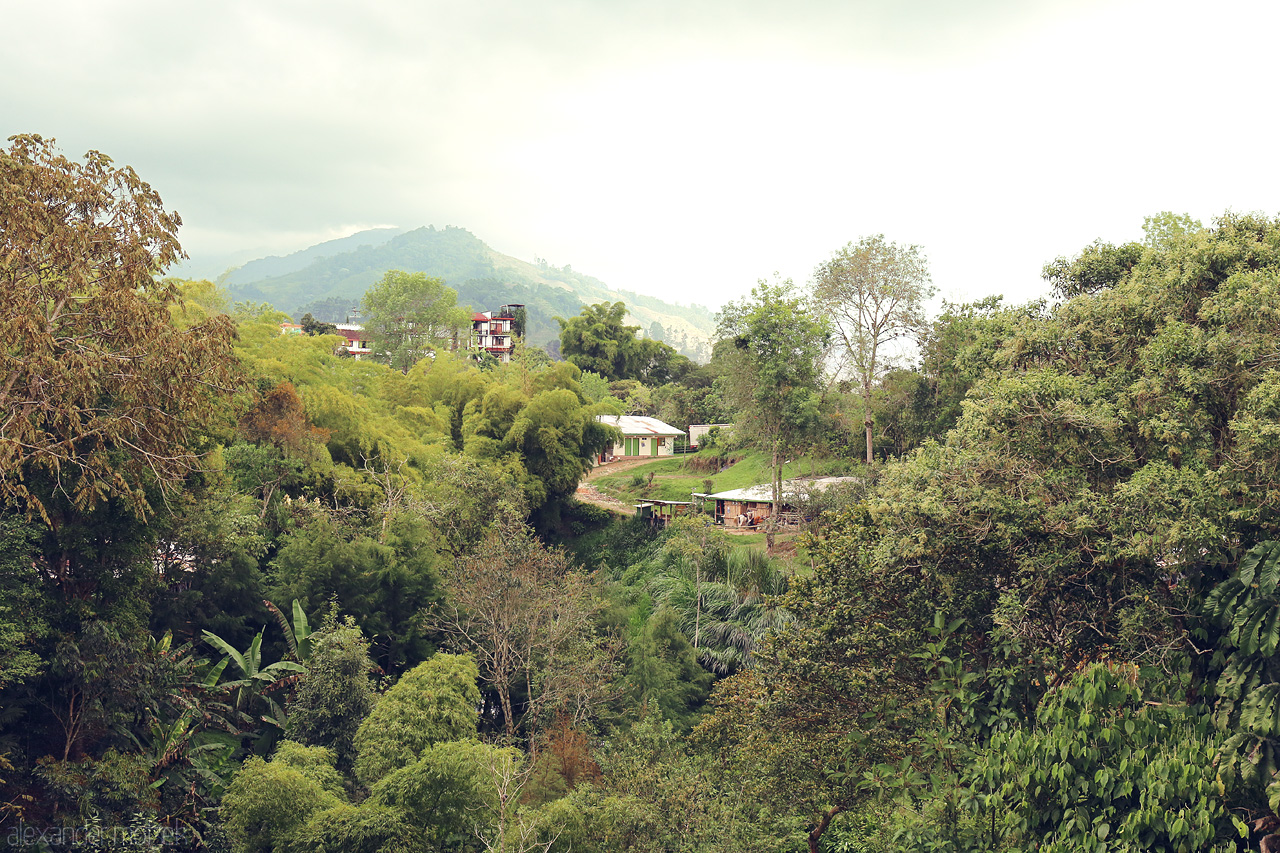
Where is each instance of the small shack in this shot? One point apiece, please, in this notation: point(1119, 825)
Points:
point(640, 437)
point(749, 507)
point(659, 513)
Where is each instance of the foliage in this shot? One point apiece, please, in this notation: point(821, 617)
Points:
point(433, 702)
point(449, 793)
point(1102, 770)
point(663, 672)
point(1161, 230)
point(278, 418)
point(22, 624)
point(411, 315)
point(597, 340)
point(525, 616)
point(724, 601)
point(874, 291)
point(1099, 266)
point(312, 326)
point(253, 701)
point(366, 828)
point(1245, 607)
point(85, 323)
point(384, 585)
point(840, 689)
point(773, 373)
point(335, 695)
point(268, 802)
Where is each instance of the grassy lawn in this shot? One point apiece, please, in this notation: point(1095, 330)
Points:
point(673, 480)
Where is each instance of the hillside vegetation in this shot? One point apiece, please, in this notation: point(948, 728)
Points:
point(259, 595)
point(325, 280)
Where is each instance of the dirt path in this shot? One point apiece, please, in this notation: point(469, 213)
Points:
point(623, 465)
point(588, 493)
point(591, 495)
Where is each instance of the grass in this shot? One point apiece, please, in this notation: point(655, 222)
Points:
point(673, 481)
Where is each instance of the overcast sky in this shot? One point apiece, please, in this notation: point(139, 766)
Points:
point(673, 147)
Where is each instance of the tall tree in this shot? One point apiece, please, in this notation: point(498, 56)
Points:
point(874, 292)
point(526, 616)
point(102, 393)
point(599, 341)
point(773, 367)
point(412, 314)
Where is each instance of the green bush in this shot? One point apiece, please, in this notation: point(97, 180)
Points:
point(268, 802)
point(433, 702)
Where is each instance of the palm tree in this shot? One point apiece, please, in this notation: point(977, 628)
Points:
point(725, 619)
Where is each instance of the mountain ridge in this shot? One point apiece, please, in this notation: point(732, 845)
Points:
point(321, 278)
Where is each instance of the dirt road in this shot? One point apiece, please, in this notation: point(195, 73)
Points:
point(622, 465)
point(588, 494)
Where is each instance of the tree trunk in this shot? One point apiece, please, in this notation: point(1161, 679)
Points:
point(816, 834)
point(508, 719)
point(867, 423)
point(777, 475)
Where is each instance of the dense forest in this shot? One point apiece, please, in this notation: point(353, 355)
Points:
point(258, 595)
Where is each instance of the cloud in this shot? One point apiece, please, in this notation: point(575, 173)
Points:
point(682, 149)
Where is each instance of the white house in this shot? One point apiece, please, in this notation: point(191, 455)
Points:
point(640, 437)
point(493, 331)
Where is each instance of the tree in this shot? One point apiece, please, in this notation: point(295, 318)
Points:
point(255, 680)
point(434, 702)
point(268, 802)
point(450, 793)
point(410, 315)
point(874, 291)
point(517, 606)
point(1100, 761)
point(312, 326)
point(384, 585)
point(597, 340)
point(1100, 266)
point(335, 694)
point(537, 427)
point(1161, 230)
point(772, 368)
point(103, 394)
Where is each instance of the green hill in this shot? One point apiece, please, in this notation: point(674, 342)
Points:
point(328, 279)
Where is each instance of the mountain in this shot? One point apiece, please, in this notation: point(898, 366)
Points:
point(274, 266)
point(328, 279)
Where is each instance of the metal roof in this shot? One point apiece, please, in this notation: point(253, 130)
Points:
point(790, 488)
point(636, 425)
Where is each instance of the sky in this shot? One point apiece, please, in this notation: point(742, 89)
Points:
point(676, 148)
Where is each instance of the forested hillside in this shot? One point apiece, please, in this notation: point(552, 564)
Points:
point(259, 595)
point(327, 280)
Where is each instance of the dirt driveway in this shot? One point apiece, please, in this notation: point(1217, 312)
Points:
point(588, 493)
point(622, 465)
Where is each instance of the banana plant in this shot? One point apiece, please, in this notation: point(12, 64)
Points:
point(255, 679)
point(297, 635)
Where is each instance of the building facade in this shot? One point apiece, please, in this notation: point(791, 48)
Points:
point(357, 341)
point(495, 332)
point(640, 437)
